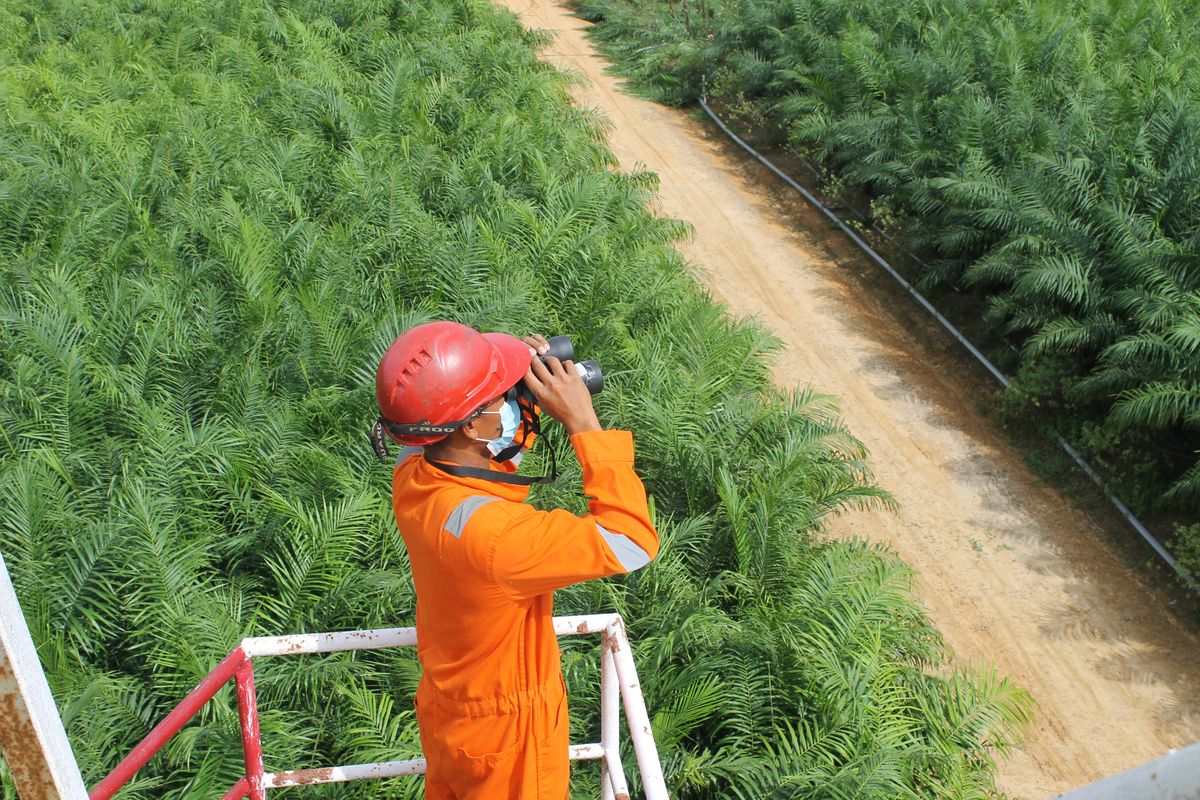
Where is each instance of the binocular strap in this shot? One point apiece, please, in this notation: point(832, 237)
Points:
point(498, 477)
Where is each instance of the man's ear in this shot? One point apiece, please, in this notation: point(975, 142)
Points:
point(469, 430)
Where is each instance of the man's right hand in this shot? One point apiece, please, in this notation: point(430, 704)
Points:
point(562, 394)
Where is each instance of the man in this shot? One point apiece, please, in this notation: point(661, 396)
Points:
point(491, 703)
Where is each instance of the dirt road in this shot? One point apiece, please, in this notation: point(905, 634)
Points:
point(1012, 574)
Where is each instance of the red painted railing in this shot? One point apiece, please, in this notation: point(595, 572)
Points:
point(236, 665)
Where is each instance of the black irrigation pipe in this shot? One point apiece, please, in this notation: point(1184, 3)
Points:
point(972, 349)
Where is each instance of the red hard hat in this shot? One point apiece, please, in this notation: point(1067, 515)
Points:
point(438, 374)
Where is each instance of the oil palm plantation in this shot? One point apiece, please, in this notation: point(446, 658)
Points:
point(213, 219)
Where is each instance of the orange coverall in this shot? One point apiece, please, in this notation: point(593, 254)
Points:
point(491, 703)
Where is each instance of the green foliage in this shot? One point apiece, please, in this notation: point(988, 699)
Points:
point(214, 217)
point(1186, 545)
point(1043, 153)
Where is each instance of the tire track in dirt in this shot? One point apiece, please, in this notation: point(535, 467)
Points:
point(1012, 573)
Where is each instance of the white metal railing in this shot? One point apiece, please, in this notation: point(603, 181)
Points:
point(618, 683)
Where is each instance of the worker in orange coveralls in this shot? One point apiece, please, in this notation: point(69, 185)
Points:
point(491, 703)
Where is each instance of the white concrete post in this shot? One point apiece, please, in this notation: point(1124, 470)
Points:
point(32, 737)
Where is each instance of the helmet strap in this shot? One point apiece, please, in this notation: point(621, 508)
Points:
point(379, 440)
point(383, 426)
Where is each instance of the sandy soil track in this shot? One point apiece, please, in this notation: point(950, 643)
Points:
point(1012, 574)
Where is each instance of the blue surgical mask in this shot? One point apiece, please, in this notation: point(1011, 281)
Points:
point(510, 423)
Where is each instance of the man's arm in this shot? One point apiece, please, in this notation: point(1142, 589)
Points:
point(540, 551)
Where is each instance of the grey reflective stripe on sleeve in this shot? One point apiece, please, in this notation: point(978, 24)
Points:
point(457, 521)
point(629, 554)
point(406, 452)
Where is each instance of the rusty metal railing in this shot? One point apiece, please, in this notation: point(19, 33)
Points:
point(618, 684)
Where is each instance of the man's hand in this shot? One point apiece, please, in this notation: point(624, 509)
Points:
point(538, 346)
point(559, 390)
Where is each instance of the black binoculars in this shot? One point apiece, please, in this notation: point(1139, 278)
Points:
point(562, 349)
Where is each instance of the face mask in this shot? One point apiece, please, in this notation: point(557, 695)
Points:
point(510, 423)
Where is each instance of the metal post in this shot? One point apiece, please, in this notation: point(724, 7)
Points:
point(238, 790)
point(612, 774)
point(653, 782)
point(251, 738)
point(608, 709)
point(32, 737)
